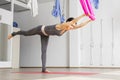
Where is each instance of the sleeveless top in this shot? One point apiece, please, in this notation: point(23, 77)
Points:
point(51, 30)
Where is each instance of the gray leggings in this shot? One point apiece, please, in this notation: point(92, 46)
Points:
point(44, 42)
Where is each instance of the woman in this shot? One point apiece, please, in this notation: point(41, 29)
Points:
point(46, 31)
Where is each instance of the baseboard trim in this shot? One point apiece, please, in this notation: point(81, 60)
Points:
point(93, 67)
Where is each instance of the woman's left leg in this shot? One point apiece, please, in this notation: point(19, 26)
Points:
point(44, 44)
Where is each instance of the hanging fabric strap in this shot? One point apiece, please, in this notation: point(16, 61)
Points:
point(57, 11)
point(33, 6)
point(95, 3)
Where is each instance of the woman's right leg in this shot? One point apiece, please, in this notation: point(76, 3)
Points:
point(34, 31)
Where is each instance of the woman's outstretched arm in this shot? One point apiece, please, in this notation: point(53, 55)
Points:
point(77, 19)
point(80, 25)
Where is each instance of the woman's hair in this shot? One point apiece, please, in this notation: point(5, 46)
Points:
point(69, 19)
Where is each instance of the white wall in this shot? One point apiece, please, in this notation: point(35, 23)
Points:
point(30, 50)
point(100, 40)
point(3, 43)
point(74, 36)
point(0, 43)
point(98, 43)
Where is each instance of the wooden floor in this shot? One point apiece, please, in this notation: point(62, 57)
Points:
point(7, 74)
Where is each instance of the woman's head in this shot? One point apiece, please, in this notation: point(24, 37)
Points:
point(69, 19)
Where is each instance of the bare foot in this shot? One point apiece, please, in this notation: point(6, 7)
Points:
point(46, 71)
point(10, 36)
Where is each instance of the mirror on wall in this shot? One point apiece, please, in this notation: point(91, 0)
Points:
point(4, 56)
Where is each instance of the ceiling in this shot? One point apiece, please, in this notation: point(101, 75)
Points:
point(39, 1)
point(19, 8)
point(44, 1)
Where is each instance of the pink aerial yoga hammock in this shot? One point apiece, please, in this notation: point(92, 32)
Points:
point(87, 8)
